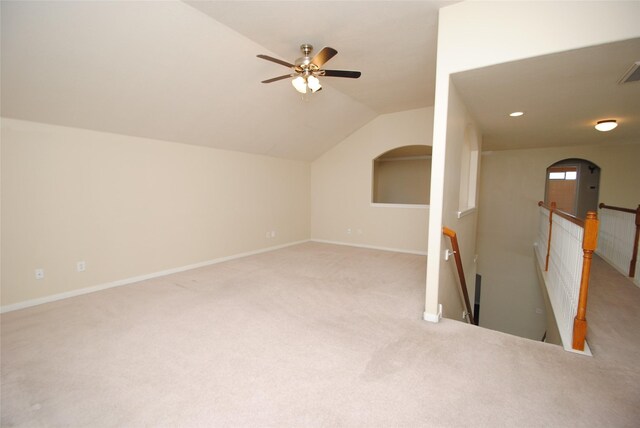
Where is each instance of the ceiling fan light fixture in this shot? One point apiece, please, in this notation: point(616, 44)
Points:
point(306, 70)
point(606, 125)
point(314, 83)
point(300, 84)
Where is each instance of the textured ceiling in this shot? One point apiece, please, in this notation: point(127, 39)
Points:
point(170, 71)
point(563, 95)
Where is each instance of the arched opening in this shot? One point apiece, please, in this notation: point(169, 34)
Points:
point(402, 176)
point(573, 184)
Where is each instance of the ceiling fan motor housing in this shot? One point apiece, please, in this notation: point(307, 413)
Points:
point(304, 63)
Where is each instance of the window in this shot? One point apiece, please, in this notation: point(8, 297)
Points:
point(402, 176)
point(563, 175)
point(470, 159)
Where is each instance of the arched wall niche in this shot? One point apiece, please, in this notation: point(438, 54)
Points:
point(402, 176)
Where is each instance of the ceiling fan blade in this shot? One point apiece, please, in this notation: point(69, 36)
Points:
point(276, 60)
point(342, 73)
point(275, 79)
point(323, 56)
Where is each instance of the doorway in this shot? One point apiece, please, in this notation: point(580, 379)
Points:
point(573, 184)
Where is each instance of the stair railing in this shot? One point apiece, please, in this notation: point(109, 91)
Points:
point(463, 283)
point(569, 243)
point(619, 235)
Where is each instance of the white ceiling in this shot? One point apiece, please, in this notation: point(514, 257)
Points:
point(393, 43)
point(189, 73)
point(563, 95)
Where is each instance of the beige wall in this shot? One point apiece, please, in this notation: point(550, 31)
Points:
point(132, 206)
point(459, 125)
point(341, 186)
point(402, 181)
point(511, 184)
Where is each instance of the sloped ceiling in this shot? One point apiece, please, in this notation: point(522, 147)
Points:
point(189, 73)
point(392, 42)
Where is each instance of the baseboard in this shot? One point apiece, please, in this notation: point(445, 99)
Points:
point(126, 281)
point(370, 247)
point(433, 317)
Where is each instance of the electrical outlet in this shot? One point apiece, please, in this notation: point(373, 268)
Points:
point(349, 231)
point(538, 311)
point(81, 266)
point(39, 273)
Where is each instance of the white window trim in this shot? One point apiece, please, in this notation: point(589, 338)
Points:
point(383, 205)
point(466, 212)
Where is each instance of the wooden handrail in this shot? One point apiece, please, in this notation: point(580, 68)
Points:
point(634, 253)
point(570, 217)
point(589, 243)
point(573, 219)
point(542, 204)
point(463, 283)
point(611, 207)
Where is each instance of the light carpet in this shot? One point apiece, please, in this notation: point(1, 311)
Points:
point(310, 335)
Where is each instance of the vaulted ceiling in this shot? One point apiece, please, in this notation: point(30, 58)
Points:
point(188, 72)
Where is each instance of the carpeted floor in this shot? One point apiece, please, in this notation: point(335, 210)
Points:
point(310, 335)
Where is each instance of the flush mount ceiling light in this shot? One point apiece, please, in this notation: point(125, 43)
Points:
point(516, 114)
point(606, 125)
point(306, 70)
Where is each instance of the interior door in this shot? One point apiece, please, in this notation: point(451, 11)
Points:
point(562, 187)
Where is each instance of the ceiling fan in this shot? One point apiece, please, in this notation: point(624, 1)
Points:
point(306, 70)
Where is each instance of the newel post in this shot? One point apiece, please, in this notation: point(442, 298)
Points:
point(589, 243)
point(634, 255)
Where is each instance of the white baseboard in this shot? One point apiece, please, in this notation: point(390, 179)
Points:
point(371, 247)
point(126, 281)
point(433, 317)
